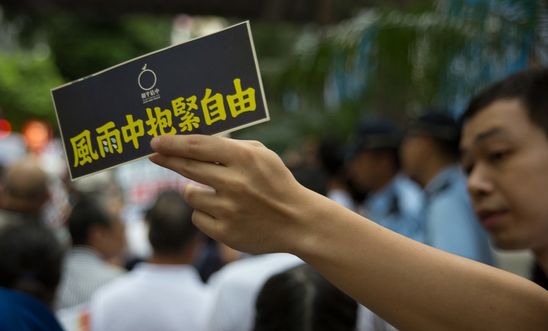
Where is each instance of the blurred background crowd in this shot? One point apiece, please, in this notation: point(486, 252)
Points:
point(364, 98)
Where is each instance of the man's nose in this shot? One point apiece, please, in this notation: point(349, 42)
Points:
point(479, 182)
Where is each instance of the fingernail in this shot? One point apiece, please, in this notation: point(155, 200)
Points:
point(185, 188)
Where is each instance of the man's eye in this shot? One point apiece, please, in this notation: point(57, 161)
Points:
point(497, 156)
point(467, 168)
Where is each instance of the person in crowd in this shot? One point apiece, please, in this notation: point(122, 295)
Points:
point(97, 235)
point(301, 299)
point(24, 190)
point(392, 200)
point(165, 293)
point(261, 208)
point(430, 155)
point(30, 270)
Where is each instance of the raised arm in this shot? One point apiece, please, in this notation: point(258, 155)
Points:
point(257, 206)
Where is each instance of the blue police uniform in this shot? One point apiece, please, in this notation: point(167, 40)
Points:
point(451, 224)
point(398, 207)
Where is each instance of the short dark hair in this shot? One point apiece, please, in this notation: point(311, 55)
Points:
point(31, 259)
point(529, 86)
point(170, 223)
point(87, 212)
point(300, 299)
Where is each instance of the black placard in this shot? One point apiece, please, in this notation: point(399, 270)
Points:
point(208, 85)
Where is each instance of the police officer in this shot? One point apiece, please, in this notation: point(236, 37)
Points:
point(392, 200)
point(429, 153)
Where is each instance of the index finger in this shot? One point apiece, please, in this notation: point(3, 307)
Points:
point(196, 147)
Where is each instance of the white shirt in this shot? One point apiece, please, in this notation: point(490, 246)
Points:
point(152, 297)
point(341, 197)
point(236, 287)
point(83, 273)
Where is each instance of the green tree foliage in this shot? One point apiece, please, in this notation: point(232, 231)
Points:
point(25, 85)
point(395, 62)
point(41, 53)
point(84, 45)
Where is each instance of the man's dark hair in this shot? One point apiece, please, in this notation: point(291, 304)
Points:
point(300, 299)
point(31, 259)
point(170, 224)
point(529, 86)
point(87, 212)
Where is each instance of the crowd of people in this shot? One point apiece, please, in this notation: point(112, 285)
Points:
point(394, 228)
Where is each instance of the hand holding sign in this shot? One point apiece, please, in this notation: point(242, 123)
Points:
point(256, 201)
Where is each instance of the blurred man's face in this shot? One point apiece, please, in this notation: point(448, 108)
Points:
point(414, 152)
point(111, 241)
point(369, 169)
point(361, 170)
point(115, 240)
point(506, 158)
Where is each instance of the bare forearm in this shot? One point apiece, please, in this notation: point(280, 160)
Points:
point(413, 286)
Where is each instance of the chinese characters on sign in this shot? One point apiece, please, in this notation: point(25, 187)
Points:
point(110, 138)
